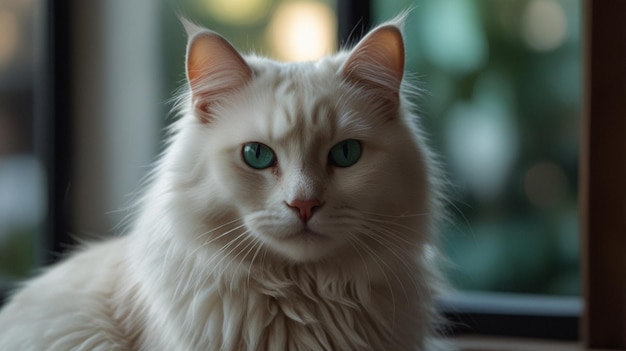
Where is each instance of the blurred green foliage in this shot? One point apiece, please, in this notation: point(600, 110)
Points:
point(502, 106)
point(18, 253)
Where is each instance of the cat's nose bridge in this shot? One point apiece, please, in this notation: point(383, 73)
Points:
point(303, 185)
point(304, 195)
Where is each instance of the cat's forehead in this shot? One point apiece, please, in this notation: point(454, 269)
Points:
point(304, 81)
point(300, 101)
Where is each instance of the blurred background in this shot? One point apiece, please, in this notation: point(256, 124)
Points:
point(502, 104)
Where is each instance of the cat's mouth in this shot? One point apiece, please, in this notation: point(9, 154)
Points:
point(303, 244)
point(306, 234)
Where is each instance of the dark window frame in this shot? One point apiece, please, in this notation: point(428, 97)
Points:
point(603, 176)
point(54, 130)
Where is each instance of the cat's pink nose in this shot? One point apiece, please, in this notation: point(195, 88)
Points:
point(305, 208)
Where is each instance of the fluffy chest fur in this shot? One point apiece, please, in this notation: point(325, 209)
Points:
point(245, 305)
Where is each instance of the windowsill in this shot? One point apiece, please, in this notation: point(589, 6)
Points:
point(513, 316)
point(482, 343)
point(516, 304)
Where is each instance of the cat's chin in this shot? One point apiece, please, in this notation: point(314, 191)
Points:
point(306, 234)
point(303, 245)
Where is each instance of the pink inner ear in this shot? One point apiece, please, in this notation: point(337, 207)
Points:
point(214, 69)
point(378, 60)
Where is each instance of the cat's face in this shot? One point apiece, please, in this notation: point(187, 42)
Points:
point(314, 158)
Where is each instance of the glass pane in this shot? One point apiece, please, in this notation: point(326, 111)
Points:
point(502, 108)
point(21, 175)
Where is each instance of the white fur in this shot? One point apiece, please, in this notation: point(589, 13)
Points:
point(214, 260)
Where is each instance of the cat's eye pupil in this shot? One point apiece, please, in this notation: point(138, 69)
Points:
point(258, 156)
point(345, 153)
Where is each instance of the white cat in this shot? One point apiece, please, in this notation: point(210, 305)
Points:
point(293, 209)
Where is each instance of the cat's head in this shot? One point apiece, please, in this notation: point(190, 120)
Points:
point(309, 159)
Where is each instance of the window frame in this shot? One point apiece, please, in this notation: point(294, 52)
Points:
point(512, 315)
point(53, 127)
point(603, 186)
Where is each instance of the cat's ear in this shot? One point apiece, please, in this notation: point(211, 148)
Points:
point(214, 69)
point(377, 61)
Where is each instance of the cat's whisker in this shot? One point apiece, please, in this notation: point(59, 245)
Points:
point(350, 241)
point(225, 255)
point(212, 240)
point(380, 225)
point(407, 215)
point(389, 268)
point(389, 241)
point(358, 215)
point(376, 259)
point(220, 236)
point(394, 237)
point(224, 252)
point(263, 259)
point(222, 226)
point(259, 247)
point(455, 223)
point(192, 253)
point(396, 250)
point(253, 242)
point(217, 254)
point(397, 225)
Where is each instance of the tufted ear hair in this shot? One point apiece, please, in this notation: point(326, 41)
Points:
point(214, 69)
point(377, 61)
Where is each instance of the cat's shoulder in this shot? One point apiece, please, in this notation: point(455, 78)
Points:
point(76, 296)
point(87, 269)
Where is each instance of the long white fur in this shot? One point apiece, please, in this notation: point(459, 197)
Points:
point(209, 263)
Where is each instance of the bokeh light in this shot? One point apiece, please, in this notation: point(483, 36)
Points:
point(544, 25)
point(453, 36)
point(545, 184)
point(482, 138)
point(302, 31)
point(9, 36)
point(237, 12)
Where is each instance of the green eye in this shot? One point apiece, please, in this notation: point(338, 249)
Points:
point(258, 156)
point(345, 153)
